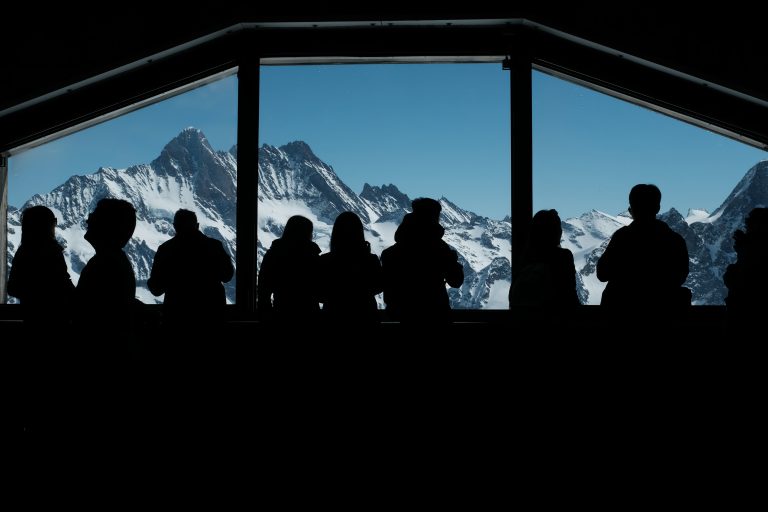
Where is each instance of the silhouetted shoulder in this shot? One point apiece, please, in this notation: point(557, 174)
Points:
point(417, 268)
point(747, 278)
point(645, 263)
point(287, 284)
point(564, 256)
point(107, 279)
point(190, 270)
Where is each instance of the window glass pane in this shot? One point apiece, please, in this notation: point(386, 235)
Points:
point(177, 153)
point(370, 138)
point(590, 149)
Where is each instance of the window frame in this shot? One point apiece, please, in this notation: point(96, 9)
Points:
point(526, 44)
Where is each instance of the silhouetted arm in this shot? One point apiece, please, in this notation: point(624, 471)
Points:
point(15, 286)
point(64, 285)
point(375, 275)
point(157, 282)
point(732, 276)
point(681, 261)
point(265, 282)
point(325, 276)
point(606, 265)
point(573, 296)
point(224, 264)
point(454, 272)
point(389, 274)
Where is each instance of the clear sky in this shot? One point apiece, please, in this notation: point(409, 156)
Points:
point(435, 130)
point(134, 138)
point(432, 130)
point(589, 149)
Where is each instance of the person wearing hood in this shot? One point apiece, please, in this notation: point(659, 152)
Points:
point(419, 265)
point(287, 288)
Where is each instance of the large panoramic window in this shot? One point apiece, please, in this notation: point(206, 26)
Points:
point(589, 149)
point(369, 138)
point(176, 153)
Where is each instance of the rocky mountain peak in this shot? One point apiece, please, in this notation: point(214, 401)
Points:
point(299, 151)
point(374, 193)
point(750, 192)
point(189, 150)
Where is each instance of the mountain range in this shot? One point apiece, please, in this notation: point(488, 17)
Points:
point(708, 237)
point(292, 180)
point(190, 174)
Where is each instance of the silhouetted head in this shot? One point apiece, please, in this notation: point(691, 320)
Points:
point(111, 224)
point(757, 222)
point(297, 229)
point(644, 201)
point(347, 233)
point(185, 222)
point(427, 208)
point(38, 223)
point(546, 229)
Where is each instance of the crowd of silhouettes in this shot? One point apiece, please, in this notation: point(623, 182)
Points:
point(92, 376)
point(645, 265)
point(190, 269)
point(294, 279)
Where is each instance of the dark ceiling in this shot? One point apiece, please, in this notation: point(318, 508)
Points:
point(45, 53)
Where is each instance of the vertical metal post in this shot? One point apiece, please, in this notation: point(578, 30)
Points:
point(247, 180)
point(3, 226)
point(519, 64)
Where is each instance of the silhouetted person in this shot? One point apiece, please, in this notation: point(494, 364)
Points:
point(39, 279)
point(350, 275)
point(645, 263)
point(190, 269)
point(417, 268)
point(287, 283)
point(105, 368)
point(107, 285)
point(747, 278)
point(546, 279)
point(39, 276)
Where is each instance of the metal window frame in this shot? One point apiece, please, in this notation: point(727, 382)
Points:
point(245, 46)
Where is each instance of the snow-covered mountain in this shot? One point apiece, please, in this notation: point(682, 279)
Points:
point(586, 237)
point(292, 180)
point(187, 174)
point(708, 237)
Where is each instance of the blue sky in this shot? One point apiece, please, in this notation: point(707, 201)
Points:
point(435, 130)
point(589, 149)
point(134, 138)
point(432, 130)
